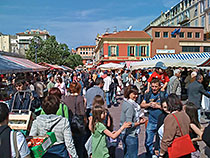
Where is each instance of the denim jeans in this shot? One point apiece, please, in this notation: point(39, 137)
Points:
point(150, 134)
point(57, 151)
point(130, 146)
point(199, 115)
point(107, 98)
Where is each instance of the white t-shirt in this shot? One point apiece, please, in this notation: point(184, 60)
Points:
point(21, 145)
point(107, 82)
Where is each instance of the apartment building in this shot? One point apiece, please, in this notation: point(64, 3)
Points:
point(4, 43)
point(87, 53)
point(24, 38)
point(176, 40)
point(123, 46)
point(190, 13)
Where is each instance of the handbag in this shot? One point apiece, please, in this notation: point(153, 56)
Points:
point(77, 122)
point(180, 146)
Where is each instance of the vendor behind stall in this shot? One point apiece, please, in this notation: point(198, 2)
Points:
point(24, 99)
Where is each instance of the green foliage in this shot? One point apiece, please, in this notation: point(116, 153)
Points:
point(50, 51)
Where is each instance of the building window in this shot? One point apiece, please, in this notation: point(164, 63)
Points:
point(80, 52)
point(208, 3)
point(143, 50)
point(177, 19)
point(197, 35)
point(189, 35)
point(209, 16)
point(190, 49)
point(132, 50)
point(181, 34)
point(165, 34)
point(196, 10)
point(196, 22)
point(203, 21)
point(86, 52)
point(113, 51)
point(157, 34)
point(83, 52)
point(206, 49)
point(201, 7)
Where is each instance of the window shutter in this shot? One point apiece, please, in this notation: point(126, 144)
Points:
point(139, 50)
point(136, 50)
point(117, 50)
point(128, 50)
point(147, 50)
point(109, 51)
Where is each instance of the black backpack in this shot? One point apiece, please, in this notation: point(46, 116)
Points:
point(77, 121)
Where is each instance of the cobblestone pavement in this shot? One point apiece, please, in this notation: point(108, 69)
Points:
point(115, 112)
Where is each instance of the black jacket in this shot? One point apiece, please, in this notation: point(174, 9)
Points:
point(5, 141)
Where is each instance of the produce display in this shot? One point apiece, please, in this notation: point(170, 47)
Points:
point(35, 141)
point(40, 144)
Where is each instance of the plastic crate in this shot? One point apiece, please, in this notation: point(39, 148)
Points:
point(40, 150)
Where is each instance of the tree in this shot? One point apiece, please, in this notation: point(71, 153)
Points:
point(73, 61)
point(50, 51)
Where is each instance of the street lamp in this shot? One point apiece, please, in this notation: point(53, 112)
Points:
point(37, 42)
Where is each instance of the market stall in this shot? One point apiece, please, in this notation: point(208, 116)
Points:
point(14, 65)
point(167, 62)
point(110, 66)
point(51, 66)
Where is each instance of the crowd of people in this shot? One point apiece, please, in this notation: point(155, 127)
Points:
point(75, 106)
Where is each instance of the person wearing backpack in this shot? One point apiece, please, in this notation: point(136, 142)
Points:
point(77, 117)
point(151, 102)
point(12, 143)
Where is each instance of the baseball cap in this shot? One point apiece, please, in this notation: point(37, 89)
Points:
point(161, 65)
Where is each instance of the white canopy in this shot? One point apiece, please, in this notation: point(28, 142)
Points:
point(110, 66)
point(167, 62)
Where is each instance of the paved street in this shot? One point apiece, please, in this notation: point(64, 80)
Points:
point(115, 113)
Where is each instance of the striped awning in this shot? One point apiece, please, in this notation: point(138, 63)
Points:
point(189, 56)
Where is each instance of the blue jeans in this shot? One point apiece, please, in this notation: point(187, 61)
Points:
point(199, 115)
point(130, 146)
point(57, 151)
point(107, 98)
point(150, 134)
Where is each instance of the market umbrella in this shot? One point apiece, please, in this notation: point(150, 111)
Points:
point(110, 66)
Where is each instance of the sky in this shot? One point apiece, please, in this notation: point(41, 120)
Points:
point(77, 22)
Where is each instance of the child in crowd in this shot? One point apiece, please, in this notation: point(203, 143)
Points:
point(160, 74)
point(192, 112)
point(100, 131)
point(98, 100)
point(108, 122)
point(160, 125)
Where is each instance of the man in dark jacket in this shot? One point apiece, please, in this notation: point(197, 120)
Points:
point(7, 137)
point(195, 91)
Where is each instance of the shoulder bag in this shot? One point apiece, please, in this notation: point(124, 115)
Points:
point(180, 146)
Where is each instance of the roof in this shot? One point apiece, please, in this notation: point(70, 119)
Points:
point(88, 46)
point(127, 34)
point(34, 32)
point(73, 51)
point(182, 27)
